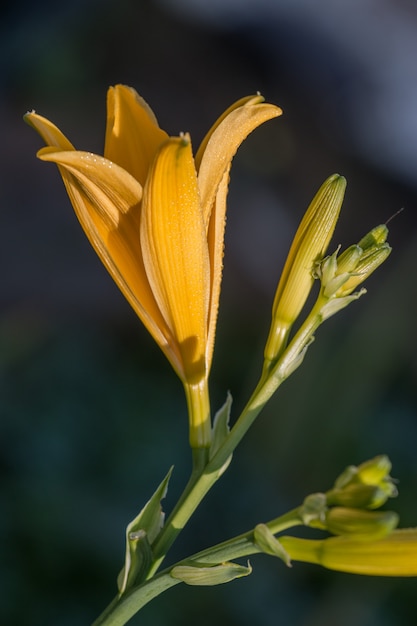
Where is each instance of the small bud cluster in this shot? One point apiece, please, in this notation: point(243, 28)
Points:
point(341, 275)
point(348, 508)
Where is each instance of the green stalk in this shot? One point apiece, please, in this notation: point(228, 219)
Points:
point(122, 609)
point(204, 477)
point(198, 403)
point(201, 482)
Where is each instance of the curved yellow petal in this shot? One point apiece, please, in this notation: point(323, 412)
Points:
point(213, 161)
point(132, 132)
point(51, 135)
point(175, 252)
point(239, 103)
point(215, 240)
point(113, 189)
point(222, 143)
point(106, 200)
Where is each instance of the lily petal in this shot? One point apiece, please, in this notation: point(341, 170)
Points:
point(106, 200)
point(132, 132)
point(114, 190)
point(213, 161)
point(222, 143)
point(215, 240)
point(239, 103)
point(175, 251)
point(51, 135)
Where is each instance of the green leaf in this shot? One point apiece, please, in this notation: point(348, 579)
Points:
point(269, 544)
point(221, 431)
point(208, 575)
point(140, 534)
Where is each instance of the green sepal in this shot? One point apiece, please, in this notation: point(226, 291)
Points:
point(269, 544)
point(221, 430)
point(209, 575)
point(140, 534)
point(334, 305)
point(314, 508)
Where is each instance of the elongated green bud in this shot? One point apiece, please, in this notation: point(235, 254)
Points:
point(361, 496)
point(375, 470)
point(309, 245)
point(368, 485)
point(341, 275)
point(375, 237)
point(361, 523)
point(348, 260)
point(368, 263)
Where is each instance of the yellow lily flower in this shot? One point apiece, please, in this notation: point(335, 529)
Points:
point(394, 555)
point(155, 215)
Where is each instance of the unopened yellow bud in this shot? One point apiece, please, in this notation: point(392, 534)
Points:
point(365, 524)
point(309, 245)
point(375, 237)
point(368, 263)
point(340, 276)
point(375, 470)
point(359, 496)
point(349, 259)
point(368, 485)
point(394, 555)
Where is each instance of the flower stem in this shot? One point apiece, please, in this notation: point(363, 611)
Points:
point(124, 607)
point(206, 473)
point(198, 403)
point(205, 476)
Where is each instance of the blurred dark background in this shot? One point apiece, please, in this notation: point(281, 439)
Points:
point(91, 414)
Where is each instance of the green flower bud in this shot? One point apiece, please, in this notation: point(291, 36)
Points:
point(359, 496)
point(368, 263)
point(310, 243)
point(366, 524)
point(367, 486)
point(375, 470)
point(349, 259)
point(375, 237)
point(340, 276)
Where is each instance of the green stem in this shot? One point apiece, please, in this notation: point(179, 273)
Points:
point(204, 475)
point(202, 481)
point(124, 607)
point(198, 403)
point(243, 545)
point(198, 486)
point(270, 382)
